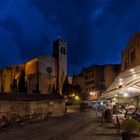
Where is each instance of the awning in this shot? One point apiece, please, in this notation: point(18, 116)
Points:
point(127, 82)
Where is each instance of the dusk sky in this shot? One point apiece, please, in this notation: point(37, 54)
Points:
point(96, 30)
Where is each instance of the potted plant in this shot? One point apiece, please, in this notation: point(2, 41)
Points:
point(129, 126)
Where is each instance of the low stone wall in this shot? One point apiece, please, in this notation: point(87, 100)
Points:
point(8, 108)
point(73, 108)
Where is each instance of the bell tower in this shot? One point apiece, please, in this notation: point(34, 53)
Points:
point(60, 53)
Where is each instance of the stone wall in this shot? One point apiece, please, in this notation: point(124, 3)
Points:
point(47, 77)
point(110, 73)
point(7, 108)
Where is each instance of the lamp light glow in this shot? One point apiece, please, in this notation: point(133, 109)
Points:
point(77, 98)
point(91, 93)
point(125, 94)
point(73, 95)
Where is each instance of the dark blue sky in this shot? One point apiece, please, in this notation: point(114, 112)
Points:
point(96, 30)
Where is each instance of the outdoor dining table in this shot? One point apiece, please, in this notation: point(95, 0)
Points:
point(121, 118)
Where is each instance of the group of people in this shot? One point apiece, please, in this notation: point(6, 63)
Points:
point(127, 109)
point(109, 108)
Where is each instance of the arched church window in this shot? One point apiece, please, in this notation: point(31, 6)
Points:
point(63, 50)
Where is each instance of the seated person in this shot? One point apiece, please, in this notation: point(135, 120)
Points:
point(122, 110)
point(136, 113)
point(130, 111)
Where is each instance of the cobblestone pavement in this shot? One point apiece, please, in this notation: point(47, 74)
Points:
point(77, 126)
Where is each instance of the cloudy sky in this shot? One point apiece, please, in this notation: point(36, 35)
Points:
point(96, 30)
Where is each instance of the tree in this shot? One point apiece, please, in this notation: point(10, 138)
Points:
point(66, 80)
point(22, 86)
point(14, 86)
point(78, 91)
point(77, 88)
point(37, 88)
point(67, 88)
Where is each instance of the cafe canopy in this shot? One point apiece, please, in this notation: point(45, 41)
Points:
point(127, 84)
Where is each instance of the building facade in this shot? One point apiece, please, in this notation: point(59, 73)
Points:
point(126, 84)
point(10, 75)
point(91, 79)
point(95, 79)
point(79, 80)
point(131, 54)
point(110, 73)
point(42, 73)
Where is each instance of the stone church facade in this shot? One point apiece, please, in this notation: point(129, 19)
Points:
point(42, 74)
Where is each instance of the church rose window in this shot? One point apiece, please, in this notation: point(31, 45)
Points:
point(49, 70)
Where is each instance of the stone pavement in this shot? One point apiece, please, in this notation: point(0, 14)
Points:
point(76, 126)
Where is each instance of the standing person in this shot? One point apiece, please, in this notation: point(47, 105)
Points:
point(108, 112)
point(114, 109)
point(97, 108)
point(103, 109)
point(103, 113)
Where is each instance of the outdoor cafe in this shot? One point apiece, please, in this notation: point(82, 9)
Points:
point(123, 97)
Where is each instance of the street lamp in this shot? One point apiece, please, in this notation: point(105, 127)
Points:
point(73, 95)
point(91, 93)
point(77, 98)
